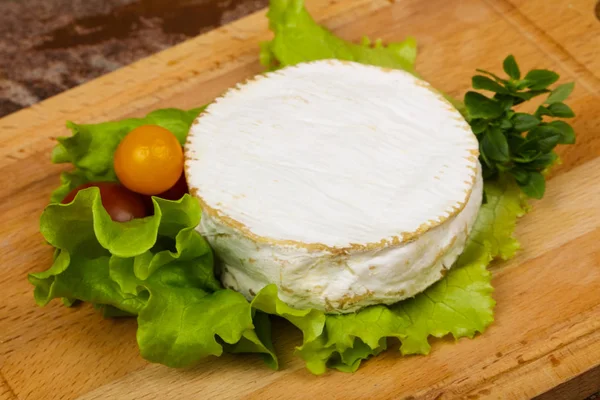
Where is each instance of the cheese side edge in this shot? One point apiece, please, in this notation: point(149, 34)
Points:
point(341, 282)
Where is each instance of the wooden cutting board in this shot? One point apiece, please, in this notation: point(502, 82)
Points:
point(546, 338)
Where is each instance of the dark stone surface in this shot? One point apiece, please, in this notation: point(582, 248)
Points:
point(48, 46)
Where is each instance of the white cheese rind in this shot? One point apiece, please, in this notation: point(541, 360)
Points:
point(336, 282)
point(344, 184)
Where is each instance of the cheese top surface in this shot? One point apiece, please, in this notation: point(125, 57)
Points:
point(333, 154)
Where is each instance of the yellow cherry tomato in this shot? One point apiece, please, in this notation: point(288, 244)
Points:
point(149, 160)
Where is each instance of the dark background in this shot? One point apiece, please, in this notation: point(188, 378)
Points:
point(48, 46)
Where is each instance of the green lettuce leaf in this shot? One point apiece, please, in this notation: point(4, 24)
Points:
point(158, 268)
point(257, 341)
point(91, 147)
point(69, 180)
point(298, 38)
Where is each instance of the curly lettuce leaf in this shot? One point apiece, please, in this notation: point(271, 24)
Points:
point(158, 268)
point(461, 304)
point(497, 219)
point(310, 322)
point(298, 38)
point(91, 147)
point(257, 341)
point(69, 180)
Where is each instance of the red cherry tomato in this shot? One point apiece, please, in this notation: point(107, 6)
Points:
point(177, 191)
point(121, 203)
point(148, 205)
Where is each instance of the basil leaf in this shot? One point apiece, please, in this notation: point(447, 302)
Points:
point(496, 77)
point(561, 110)
point(520, 85)
point(520, 175)
point(561, 93)
point(567, 134)
point(505, 124)
point(528, 150)
point(507, 101)
point(541, 111)
point(535, 186)
point(500, 128)
point(541, 162)
point(540, 78)
point(487, 163)
point(480, 106)
point(530, 94)
point(495, 146)
point(514, 141)
point(524, 122)
point(478, 125)
point(485, 83)
point(527, 153)
point(546, 137)
point(511, 68)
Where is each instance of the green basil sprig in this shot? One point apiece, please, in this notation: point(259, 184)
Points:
point(517, 143)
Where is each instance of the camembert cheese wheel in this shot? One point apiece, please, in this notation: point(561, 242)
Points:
point(345, 185)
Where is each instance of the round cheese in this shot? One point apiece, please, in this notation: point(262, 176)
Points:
point(345, 185)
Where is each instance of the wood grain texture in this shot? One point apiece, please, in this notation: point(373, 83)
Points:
point(6, 392)
point(547, 329)
point(572, 26)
